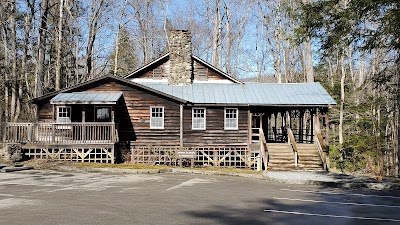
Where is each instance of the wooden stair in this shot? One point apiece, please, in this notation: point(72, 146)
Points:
point(309, 158)
point(281, 157)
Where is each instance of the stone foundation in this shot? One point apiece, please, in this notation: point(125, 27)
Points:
point(10, 152)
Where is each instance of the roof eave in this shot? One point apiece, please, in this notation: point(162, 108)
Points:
point(126, 81)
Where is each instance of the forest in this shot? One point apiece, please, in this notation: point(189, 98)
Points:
point(350, 46)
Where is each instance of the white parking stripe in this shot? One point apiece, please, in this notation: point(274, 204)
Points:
point(340, 203)
point(333, 216)
point(337, 193)
point(7, 195)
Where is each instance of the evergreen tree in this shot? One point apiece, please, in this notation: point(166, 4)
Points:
point(126, 55)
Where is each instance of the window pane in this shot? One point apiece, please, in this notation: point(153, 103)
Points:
point(102, 113)
point(63, 114)
point(231, 120)
point(157, 117)
point(198, 119)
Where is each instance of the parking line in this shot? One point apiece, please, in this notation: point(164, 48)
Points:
point(337, 193)
point(6, 195)
point(332, 216)
point(340, 203)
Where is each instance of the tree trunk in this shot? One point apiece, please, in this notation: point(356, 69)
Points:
point(95, 11)
point(39, 78)
point(117, 38)
point(309, 65)
point(6, 72)
point(216, 33)
point(397, 118)
point(13, 58)
point(59, 45)
point(342, 80)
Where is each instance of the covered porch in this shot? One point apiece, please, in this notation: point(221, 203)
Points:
point(81, 120)
point(278, 123)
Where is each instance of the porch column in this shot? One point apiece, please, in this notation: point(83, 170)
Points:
point(113, 114)
point(52, 115)
point(249, 126)
point(301, 136)
point(83, 114)
point(312, 124)
point(83, 130)
point(181, 125)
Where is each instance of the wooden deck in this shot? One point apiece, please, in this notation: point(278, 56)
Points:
point(61, 133)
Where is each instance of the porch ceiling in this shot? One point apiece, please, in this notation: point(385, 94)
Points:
point(86, 98)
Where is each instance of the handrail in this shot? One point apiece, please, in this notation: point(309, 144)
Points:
point(61, 133)
point(292, 142)
point(322, 147)
point(264, 149)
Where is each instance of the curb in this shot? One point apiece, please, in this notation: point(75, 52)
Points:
point(340, 184)
point(113, 170)
point(12, 169)
point(210, 172)
point(264, 176)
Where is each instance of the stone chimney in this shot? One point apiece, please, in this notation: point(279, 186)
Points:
point(180, 58)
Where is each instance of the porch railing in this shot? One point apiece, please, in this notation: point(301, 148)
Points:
point(322, 150)
point(292, 142)
point(61, 133)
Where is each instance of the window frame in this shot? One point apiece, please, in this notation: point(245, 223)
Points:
point(151, 117)
point(58, 114)
point(237, 119)
point(95, 113)
point(204, 119)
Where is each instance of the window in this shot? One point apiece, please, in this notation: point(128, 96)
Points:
point(102, 114)
point(231, 119)
point(63, 114)
point(156, 117)
point(198, 118)
point(157, 73)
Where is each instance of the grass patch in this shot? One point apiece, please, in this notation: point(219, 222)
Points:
point(50, 164)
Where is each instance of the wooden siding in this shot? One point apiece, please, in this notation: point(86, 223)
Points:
point(45, 113)
point(214, 133)
point(132, 114)
point(160, 70)
point(200, 69)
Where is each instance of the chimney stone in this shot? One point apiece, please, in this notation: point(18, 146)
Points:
point(180, 58)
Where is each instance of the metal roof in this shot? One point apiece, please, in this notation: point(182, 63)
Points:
point(86, 98)
point(249, 93)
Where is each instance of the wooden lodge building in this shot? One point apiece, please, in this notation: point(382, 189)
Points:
point(179, 108)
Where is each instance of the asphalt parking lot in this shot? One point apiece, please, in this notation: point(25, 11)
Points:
point(48, 197)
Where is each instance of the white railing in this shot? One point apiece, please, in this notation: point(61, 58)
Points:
point(61, 133)
point(292, 142)
point(322, 147)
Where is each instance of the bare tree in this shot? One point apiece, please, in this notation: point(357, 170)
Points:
point(59, 45)
point(39, 74)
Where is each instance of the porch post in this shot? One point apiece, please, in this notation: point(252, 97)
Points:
point(83, 130)
point(52, 115)
point(112, 114)
point(327, 127)
point(249, 126)
point(312, 124)
point(301, 138)
point(181, 125)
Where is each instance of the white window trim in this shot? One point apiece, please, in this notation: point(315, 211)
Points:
point(58, 112)
point(151, 116)
point(237, 120)
point(205, 118)
point(95, 111)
